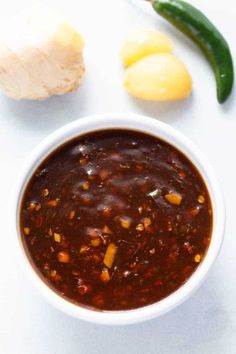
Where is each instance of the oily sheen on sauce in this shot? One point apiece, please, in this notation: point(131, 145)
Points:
point(116, 220)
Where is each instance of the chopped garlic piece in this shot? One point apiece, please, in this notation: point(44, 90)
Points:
point(125, 222)
point(57, 237)
point(26, 231)
point(105, 276)
point(201, 199)
point(110, 255)
point(174, 198)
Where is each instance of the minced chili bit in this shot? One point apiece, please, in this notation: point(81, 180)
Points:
point(120, 220)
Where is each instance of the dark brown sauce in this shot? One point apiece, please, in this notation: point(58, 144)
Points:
point(116, 220)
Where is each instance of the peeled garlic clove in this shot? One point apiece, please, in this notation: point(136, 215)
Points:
point(142, 43)
point(158, 77)
point(48, 53)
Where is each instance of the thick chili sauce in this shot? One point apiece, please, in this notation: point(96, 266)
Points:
point(116, 220)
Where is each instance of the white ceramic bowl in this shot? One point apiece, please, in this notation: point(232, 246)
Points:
point(149, 126)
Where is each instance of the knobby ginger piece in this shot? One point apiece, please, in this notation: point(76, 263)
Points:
point(40, 55)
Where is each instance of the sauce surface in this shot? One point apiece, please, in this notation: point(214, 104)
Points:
point(116, 220)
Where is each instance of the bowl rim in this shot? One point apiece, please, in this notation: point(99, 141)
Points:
point(150, 126)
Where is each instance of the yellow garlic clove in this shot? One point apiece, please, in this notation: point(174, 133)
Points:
point(158, 77)
point(142, 43)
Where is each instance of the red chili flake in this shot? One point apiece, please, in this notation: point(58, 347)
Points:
point(145, 290)
point(182, 174)
point(149, 230)
point(144, 188)
point(139, 167)
point(84, 289)
point(64, 243)
point(86, 199)
point(133, 265)
point(187, 247)
point(39, 221)
point(174, 276)
point(187, 271)
point(158, 282)
point(148, 274)
point(104, 174)
point(98, 300)
point(107, 212)
point(195, 211)
point(206, 241)
point(65, 288)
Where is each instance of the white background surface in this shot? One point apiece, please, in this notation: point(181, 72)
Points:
point(206, 324)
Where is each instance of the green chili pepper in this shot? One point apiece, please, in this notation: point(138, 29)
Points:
point(196, 25)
